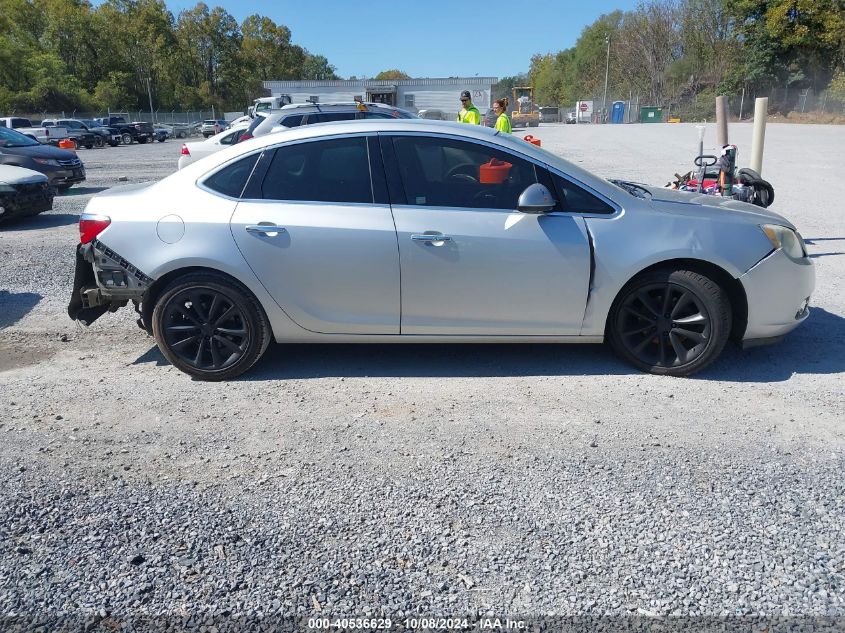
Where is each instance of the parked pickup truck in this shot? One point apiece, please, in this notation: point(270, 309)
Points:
point(138, 131)
point(46, 135)
point(77, 131)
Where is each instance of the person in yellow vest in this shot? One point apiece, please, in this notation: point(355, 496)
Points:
point(469, 113)
point(503, 122)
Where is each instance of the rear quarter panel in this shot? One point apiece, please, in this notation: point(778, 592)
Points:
point(146, 226)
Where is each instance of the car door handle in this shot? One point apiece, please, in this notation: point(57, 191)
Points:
point(270, 230)
point(430, 237)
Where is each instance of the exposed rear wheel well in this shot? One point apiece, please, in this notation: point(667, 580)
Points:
point(154, 291)
point(733, 288)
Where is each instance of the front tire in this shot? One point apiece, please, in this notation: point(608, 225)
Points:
point(126, 138)
point(670, 322)
point(210, 326)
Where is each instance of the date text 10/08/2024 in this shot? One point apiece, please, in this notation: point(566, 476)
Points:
point(417, 623)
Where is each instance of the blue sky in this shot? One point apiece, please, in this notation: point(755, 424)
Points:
point(426, 38)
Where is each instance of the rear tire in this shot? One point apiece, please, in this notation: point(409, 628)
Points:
point(142, 141)
point(210, 326)
point(670, 322)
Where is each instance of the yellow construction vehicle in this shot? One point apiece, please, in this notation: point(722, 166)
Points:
point(525, 112)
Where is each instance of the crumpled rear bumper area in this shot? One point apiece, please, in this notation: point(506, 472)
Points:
point(103, 281)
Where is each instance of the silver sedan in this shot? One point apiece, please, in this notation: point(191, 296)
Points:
point(416, 231)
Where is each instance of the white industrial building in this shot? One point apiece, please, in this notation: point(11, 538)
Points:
point(412, 94)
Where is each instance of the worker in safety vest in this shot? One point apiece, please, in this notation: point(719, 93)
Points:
point(469, 113)
point(503, 122)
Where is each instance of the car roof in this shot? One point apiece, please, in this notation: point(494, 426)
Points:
point(340, 104)
point(419, 126)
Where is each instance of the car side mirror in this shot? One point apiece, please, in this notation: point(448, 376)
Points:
point(535, 199)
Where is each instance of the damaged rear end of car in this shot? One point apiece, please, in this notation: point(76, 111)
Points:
point(103, 281)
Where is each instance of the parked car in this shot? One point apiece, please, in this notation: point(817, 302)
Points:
point(299, 114)
point(162, 132)
point(489, 118)
point(572, 117)
point(110, 135)
point(77, 131)
point(208, 127)
point(200, 149)
point(62, 168)
point(45, 135)
point(425, 232)
point(432, 114)
point(294, 115)
point(23, 193)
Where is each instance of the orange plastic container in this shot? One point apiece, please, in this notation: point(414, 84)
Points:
point(532, 140)
point(67, 143)
point(494, 173)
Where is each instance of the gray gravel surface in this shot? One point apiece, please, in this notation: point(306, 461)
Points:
point(353, 480)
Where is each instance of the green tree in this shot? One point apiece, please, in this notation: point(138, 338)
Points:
point(392, 74)
point(318, 67)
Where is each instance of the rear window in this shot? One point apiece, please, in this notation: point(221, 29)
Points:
point(292, 121)
point(231, 180)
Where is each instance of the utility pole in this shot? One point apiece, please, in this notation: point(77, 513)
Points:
point(606, 74)
point(150, 94)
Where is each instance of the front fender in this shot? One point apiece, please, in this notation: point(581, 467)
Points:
point(628, 244)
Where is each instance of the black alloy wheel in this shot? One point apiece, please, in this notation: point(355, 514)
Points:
point(670, 322)
point(210, 326)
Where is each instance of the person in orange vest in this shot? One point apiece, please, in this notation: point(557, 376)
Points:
point(469, 113)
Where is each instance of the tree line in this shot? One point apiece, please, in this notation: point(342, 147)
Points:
point(71, 55)
point(687, 51)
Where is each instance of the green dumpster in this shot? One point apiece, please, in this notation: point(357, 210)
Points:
point(651, 114)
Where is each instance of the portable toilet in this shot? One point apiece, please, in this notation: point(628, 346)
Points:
point(651, 114)
point(617, 115)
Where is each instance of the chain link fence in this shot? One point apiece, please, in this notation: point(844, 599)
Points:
point(186, 123)
point(791, 103)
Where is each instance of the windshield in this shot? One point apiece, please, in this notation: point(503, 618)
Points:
point(11, 138)
point(89, 122)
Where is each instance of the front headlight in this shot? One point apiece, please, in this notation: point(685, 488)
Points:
point(785, 238)
point(46, 161)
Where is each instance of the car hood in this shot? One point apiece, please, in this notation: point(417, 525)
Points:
point(40, 151)
point(19, 176)
point(674, 201)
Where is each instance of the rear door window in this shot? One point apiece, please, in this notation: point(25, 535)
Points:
point(444, 172)
point(332, 170)
point(231, 180)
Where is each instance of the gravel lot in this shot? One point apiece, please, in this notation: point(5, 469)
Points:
point(358, 480)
